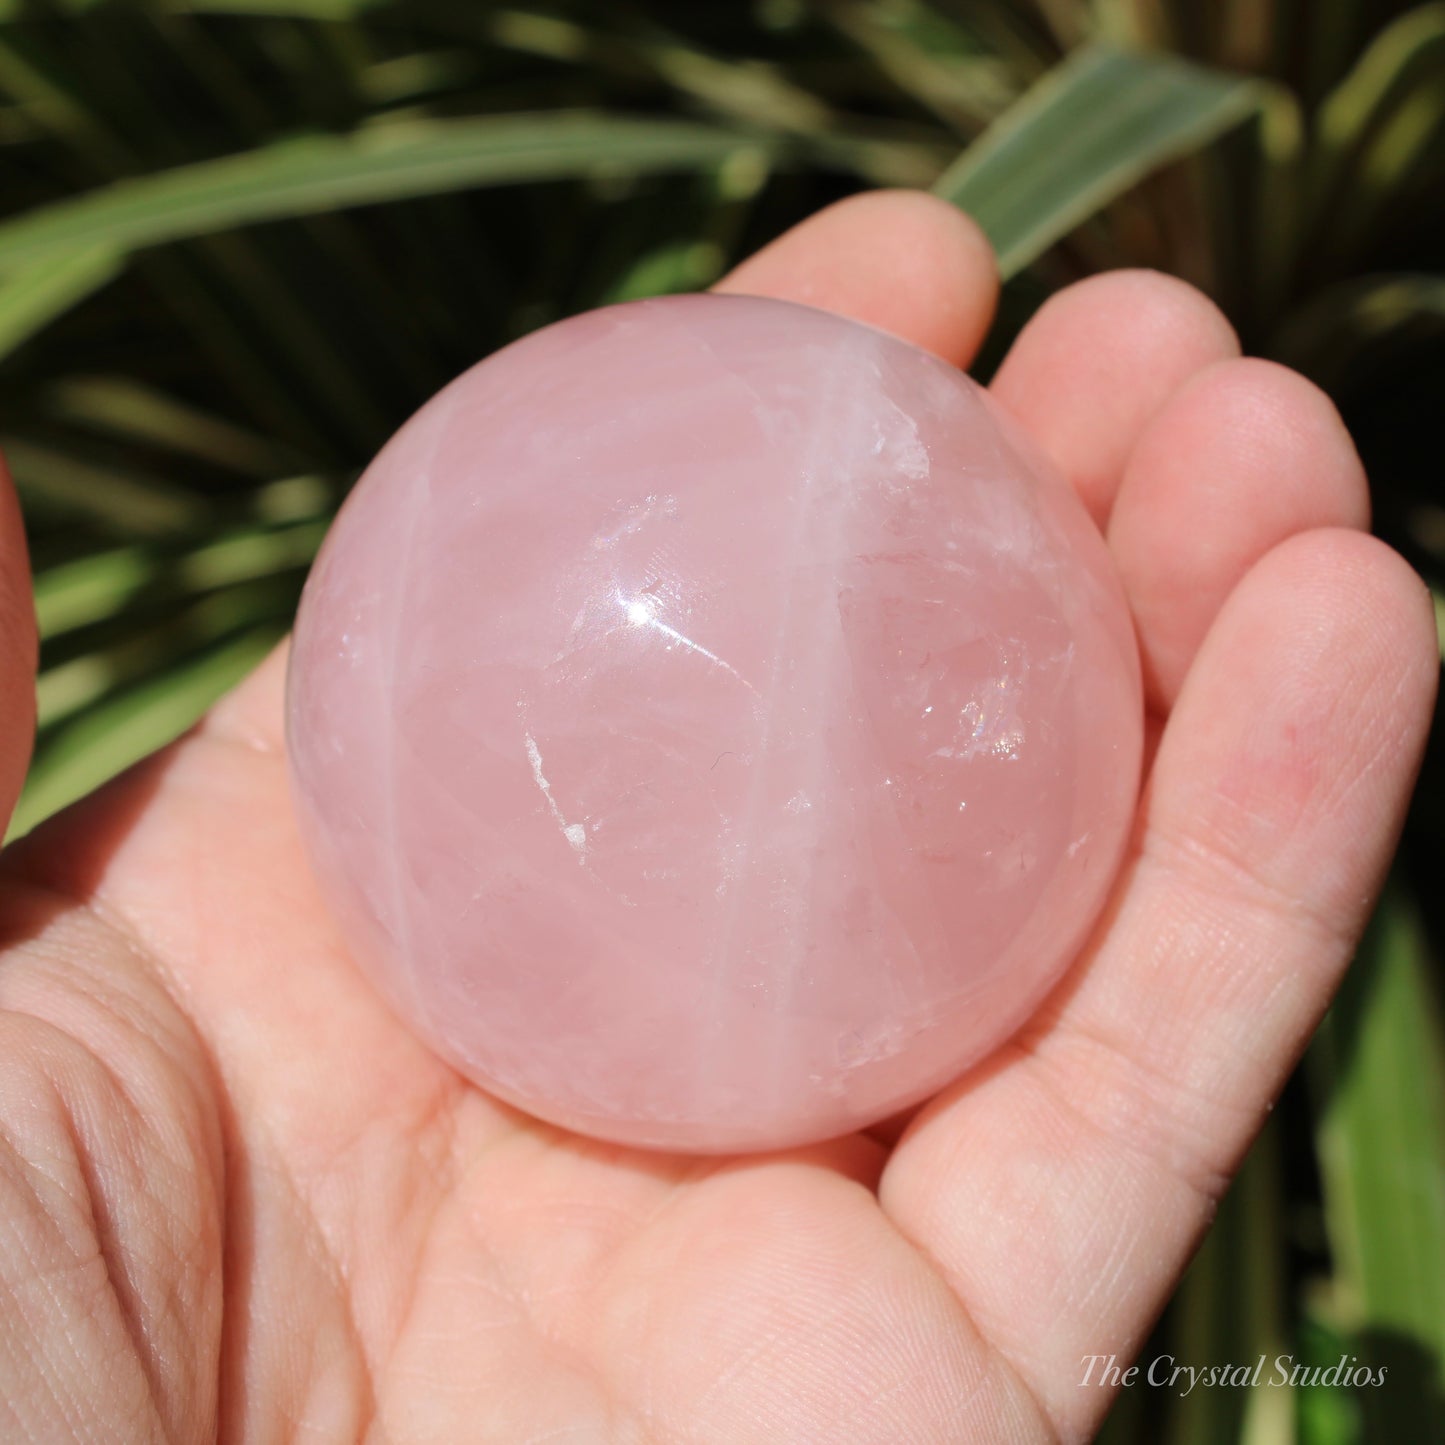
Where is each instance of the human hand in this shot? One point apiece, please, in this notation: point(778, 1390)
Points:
point(236, 1197)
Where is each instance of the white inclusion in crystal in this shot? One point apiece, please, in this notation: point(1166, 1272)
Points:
point(871, 1044)
point(989, 722)
point(633, 519)
point(641, 612)
point(901, 448)
point(574, 833)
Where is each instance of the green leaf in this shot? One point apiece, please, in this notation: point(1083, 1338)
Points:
point(90, 589)
point(934, 61)
point(1327, 1414)
point(677, 266)
point(126, 728)
point(338, 10)
point(1379, 131)
point(1230, 1311)
point(310, 174)
point(248, 554)
point(1387, 72)
point(127, 503)
point(83, 681)
point(1091, 129)
point(36, 294)
point(122, 407)
point(1336, 326)
point(1379, 1067)
point(75, 594)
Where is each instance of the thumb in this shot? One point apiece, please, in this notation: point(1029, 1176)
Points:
point(17, 651)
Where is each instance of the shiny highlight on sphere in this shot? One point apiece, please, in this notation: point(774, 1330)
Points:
point(711, 726)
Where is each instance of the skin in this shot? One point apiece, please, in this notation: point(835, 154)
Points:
point(238, 1200)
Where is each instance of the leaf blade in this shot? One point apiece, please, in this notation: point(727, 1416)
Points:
point(124, 729)
point(1089, 131)
point(1379, 1067)
point(307, 175)
point(36, 294)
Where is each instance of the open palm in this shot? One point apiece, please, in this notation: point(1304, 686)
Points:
point(237, 1199)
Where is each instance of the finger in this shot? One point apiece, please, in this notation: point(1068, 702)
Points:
point(903, 261)
point(1098, 361)
point(17, 652)
point(1061, 1190)
point(1245, 454)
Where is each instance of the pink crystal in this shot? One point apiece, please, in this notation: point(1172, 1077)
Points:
point(710, 727)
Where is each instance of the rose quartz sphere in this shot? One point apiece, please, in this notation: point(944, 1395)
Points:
point(711, 728)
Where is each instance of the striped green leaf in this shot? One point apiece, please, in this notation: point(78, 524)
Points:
point(92, 588)
point(129, 726)
point(1380, 130)
point(132, 411)
point(1230, 1310)
point(308, 175)
point(1327, 336)
point(78, 593)
point(57, 484)
point(1379, 1067)
point(1090, 130)
point(338, 10)
point(36, 294)
point(143, 653)
point(1404, 59)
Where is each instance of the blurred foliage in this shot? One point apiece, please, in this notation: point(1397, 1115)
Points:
point(242, 240)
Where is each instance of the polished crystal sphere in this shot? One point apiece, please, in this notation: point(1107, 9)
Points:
point(712, 727)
